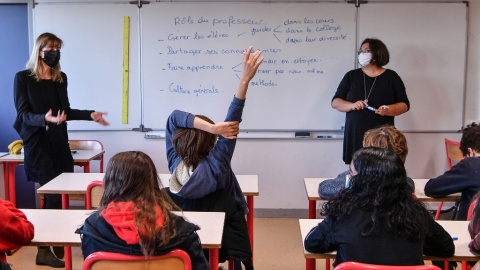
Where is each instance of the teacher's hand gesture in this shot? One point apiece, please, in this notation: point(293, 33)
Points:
point(98, 117)
point(60, 118)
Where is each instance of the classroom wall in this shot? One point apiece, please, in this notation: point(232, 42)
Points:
point(283, 163)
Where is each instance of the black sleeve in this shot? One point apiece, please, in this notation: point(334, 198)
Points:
point(399, 90)
point(193, 247)
point(320, 239)
point(438, 242)
point(343, 88)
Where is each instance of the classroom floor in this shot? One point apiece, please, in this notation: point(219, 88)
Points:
point(277, 245)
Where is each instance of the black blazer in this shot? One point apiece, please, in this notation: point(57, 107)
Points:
point(31, 111)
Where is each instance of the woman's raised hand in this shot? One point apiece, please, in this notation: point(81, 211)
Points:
point(250, 64)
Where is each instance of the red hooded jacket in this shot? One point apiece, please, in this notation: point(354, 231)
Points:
point(15, 229)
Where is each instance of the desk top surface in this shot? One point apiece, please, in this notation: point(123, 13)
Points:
point(311, 186)
point(78, 156)
point(61, 232)
point(454, 228)
point(77, 183)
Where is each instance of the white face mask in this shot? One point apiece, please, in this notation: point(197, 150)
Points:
point(347, 181)
point(364, 58)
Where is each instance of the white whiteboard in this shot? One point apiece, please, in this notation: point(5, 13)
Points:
point(426, 40)
point(427, 44)
point(308, 47)
point(92, 58)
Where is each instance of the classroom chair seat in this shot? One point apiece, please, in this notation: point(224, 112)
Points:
point(176, 259)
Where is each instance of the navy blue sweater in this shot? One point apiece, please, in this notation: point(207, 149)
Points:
point(464, 177)
point(214, 172)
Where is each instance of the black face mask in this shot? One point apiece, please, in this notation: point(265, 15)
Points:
point(51, 58)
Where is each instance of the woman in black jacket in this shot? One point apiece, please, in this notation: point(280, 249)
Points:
point(41, 101)
point(376, 220)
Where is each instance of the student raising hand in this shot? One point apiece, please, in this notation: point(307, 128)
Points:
point(250, 66)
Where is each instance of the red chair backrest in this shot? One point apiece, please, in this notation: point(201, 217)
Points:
point(175, 259)
point(365, 266)
point(88, 195)
point(453, 152)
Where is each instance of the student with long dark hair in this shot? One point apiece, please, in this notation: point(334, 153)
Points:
point(135, 215)
point(376, 220)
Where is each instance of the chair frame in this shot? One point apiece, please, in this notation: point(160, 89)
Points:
point(88, 194)
point(365, 266)
point(449, 147)
point(111, 256)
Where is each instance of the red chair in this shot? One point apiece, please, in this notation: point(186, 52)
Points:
point(465, 266)
point(453, 154)
point(87, 145)
point(175, 259)
point(94, 194)
point(365, 266)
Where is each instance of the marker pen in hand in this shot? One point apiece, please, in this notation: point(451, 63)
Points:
point(370, 108)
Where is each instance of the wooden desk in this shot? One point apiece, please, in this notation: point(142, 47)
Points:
point(454, 228)
point(311, 186)
point(11, 161)
point(76, 184)
point(62, 231)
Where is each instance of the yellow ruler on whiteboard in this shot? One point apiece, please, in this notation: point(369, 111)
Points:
point(126, 38)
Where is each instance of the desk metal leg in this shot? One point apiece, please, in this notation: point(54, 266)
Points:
point(68, 258)
point(5, 182)
point(11, 181)
point(312, 209)
point(65, 202)
point(310, 264)
point(85, 165)
point(250, 220)
point(213, 258)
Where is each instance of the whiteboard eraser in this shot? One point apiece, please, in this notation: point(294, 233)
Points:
point(302, 134)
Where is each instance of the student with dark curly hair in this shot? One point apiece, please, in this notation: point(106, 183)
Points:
point(464, 176)
point(376, 220)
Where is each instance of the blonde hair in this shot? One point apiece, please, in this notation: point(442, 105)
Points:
point(34, 64)
point(389, 137)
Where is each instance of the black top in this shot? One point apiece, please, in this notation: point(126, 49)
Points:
point(388, 89)
point(46, 149)
point(383, 248)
